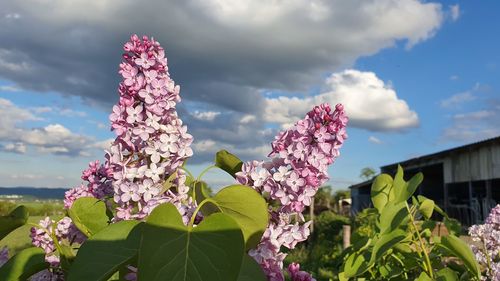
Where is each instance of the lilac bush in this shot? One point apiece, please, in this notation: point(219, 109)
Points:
point(487, 245)
point(144, 167)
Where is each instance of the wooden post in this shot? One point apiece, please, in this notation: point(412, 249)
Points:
point(346, 236)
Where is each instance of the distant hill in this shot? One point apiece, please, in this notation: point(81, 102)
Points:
point(40, 193)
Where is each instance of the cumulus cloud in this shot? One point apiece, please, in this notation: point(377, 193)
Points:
point(374, 140)
point(473, 126)
point(52, 138)
point(205, 115)
point(457, 100)
point(17, 147)
point(221, 51)
point(370, 103)
point(454, 12)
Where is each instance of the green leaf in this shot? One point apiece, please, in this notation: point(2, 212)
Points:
point(356, 264)
point(446, 274)
point(247, 207)
point(385, 243)
point(24, 264)
point(410, 187)
point(201, 191)
point(393, 216)
point(381, 191)
point(15, 219)
point(169, 182)
point(228, 162)
point(106, 252)
point(89, 215)
point(423, 277)
point(213, 250)
point(250, 270)
point(461, 250)
point(426, 207)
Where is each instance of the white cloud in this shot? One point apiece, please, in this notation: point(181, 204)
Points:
point(12, 16)
point(17, 147)
point(454, 77)
point(9, 88)
point(374, 140)
point(473, 126)
point(455, 12)
point(205, 115)
point(277, 45)
point(369, 102)
point(71, 113)
point(458, 99)
point(52, 138)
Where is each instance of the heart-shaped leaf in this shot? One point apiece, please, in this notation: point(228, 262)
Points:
point(24, 264)
point(106, 252)
point(250, 270)
point(228, 162)
point(15, 219)
point(89, 215)
point(212, 250)
point(247, 207)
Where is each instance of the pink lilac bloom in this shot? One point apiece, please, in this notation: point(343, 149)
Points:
point(298, 166)
point(297, 275)
point(487, 246)
point(151, 141)
point(43, 237)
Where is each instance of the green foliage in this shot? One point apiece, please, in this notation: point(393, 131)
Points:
point(320, 255)
point(228, 162)
point(247, 208)
point(106, 252)
point(399, 244)
point(24, 264)
point(16, 218)
point(250, 270)
point(89, 215)
point(211, 251)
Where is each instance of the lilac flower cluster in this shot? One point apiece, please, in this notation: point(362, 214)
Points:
point(487, 246)
point(151, 142)
point(98, 186)
point(43, 236)
point(299, 161)
point(297, 275)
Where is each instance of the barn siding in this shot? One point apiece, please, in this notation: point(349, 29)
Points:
point(471, 165)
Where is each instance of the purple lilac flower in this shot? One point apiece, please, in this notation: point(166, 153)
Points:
point(298, 167)
point(487, 246)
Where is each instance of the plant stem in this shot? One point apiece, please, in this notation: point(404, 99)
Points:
point(193, 217)
point(422, 245)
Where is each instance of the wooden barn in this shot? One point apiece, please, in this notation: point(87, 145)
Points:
point(465, 181)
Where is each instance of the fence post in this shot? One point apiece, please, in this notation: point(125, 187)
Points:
point(346, 236)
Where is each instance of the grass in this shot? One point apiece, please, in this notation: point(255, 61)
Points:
point(19, 239)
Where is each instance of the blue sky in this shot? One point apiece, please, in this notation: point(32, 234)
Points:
point(416, 78)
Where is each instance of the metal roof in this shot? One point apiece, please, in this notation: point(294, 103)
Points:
point(443, 153)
